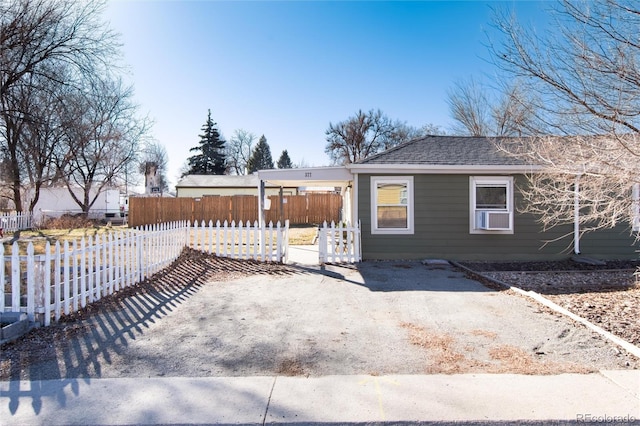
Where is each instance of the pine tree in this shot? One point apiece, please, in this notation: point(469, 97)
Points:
point(284, 162)
point(261, 157)
point(211, 157)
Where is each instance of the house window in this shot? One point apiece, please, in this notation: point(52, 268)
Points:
point(391, 205)
point(491, 204)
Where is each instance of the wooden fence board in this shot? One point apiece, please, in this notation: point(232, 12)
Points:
point(297, 209)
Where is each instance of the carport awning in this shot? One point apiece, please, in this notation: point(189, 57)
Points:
point(313, 176)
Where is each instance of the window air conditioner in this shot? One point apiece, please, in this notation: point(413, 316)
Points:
point(493, 221)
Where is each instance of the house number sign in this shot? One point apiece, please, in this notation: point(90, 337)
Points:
point(307, 174)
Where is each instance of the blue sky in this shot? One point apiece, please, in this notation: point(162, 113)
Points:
point(287, 69)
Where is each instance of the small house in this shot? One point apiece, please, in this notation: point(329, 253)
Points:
point(456, 198)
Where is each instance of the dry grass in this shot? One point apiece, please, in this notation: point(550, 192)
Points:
point(484, 333)
point(445, 358)
point(512, 358)
point(300, 235)
point(39, 238)
point(291, 367)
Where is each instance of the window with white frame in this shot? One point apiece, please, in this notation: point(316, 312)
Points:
point(491, 204)
point(391, 205)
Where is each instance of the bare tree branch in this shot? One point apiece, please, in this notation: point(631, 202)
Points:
point(586, 77)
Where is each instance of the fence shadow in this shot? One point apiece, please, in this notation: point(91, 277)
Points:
point(75, 348)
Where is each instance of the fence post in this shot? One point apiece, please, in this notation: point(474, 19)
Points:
point(270, 242)
point(210, 249)
point(256, 240)
point(140, 251)
point(75, 292)
point(278, 243)
point(286, 241)
point(223, 252)
point(83, 273)
point(90, 270)
point(31, 284)
point(322, 243)
point(65, 284)
point(240, 231)
point(46, 285)
point(56, 281)
point(99, 267)
point(15, 277)
point(217, 237)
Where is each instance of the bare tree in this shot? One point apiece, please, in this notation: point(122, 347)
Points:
point(102, 140)
point(365, 134)
point(239, 149)
point(430, 129)
point(468, 107)
point(480, 111)
point(587, 80)
point(44, 45)
point(589, 171)
point(513, 113)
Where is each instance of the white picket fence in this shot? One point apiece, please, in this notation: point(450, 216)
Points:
point(73, 274)
point(243, 241)
point(12, 222)
point(339, 243)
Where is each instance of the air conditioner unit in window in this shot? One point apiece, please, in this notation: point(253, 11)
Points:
point(493, 221)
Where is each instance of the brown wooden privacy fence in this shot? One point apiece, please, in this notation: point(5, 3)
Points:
point(298, 209)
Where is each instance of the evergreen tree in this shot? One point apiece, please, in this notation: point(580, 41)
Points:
point(211, 157)
point(261, 157)
point(284, 162)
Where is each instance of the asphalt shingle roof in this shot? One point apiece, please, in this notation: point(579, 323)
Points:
point(446, 150)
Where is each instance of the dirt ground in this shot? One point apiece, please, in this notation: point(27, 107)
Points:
point(207, 316)
point(607, 295)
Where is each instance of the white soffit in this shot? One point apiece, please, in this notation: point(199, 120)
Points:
point(312, 176)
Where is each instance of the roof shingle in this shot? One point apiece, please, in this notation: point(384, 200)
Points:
point(446, 150)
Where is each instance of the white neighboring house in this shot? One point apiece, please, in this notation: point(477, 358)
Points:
point(56, 201)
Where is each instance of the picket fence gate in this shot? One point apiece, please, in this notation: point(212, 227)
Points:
point(73, 274)
point(339, 243)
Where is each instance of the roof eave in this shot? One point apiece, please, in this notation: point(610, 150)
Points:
point(442, 169)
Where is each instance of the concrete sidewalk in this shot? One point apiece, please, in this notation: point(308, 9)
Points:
point(609, 397)
point(303, 255)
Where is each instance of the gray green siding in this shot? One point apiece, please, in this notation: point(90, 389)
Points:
point(442, 229)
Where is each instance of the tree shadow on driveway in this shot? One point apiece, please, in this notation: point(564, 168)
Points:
point(75, 349)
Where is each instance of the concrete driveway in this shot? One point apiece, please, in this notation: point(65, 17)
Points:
point(373, 318)
point(196, 346)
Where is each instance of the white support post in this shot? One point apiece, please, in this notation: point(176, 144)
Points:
point(576, 216)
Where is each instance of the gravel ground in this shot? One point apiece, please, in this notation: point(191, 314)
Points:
point(208, 316)
point(607, 295)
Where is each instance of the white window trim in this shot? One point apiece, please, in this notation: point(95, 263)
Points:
point(490, 180)
point(407, 180)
